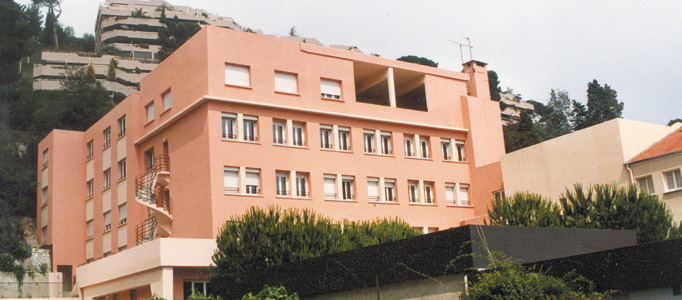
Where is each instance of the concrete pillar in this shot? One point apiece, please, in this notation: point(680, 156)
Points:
point(242, 180)
point(290, 132)
point(417, 146)
point(422, 198)
point(382, 189)
point(163, 287)
point(240, 127)
point(293, 187)
point(377, 141)
point(391, 88)
point(339, 186)
point(457, 193)
point(335, 137)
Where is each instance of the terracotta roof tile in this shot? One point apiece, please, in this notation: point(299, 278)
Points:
point(669, 144)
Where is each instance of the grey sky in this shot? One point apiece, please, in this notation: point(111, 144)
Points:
point(634, 46)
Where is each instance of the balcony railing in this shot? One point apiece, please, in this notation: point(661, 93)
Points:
point(251, 138)
point(144, 232)
point(279, 141)
point(144, 182)
point(229, 136)
point(299, 143)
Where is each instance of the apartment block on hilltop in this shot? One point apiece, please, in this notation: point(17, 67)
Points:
point(233, 120)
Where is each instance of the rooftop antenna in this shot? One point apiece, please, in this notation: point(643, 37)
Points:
point(461, 55)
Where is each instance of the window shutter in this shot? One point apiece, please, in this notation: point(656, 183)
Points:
point(330, 185)
point(330, 87)
point(237, 75)
point(232, 179)
point(253, 178)
point(285, 82)
point(373, 189)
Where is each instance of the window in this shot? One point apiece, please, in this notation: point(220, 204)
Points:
point(447, 152)
point(286, 83)
point(133, 294)
point(229, 126)
point(299, 134)
point(424, 144)
point(302, 185)
point(237, 75)
point(464, 195)
point(372, 189)
point(107, 221)
point(646, 184)
point(347, 187)
point(90, 189)
point(90, 149)
point(45, 195)
point(344, 138)
point(282, 181)
point(91, 228)
point(123, 213)
point(499, 195)
point(107, 178)
point(428, 192)
point(673, 180)
point(107, 137)
point(122, 169)
point(191, 287)
point(331, 89)
point(409, 146)
point(45, 157)
point(326, 137)
point(122, 126)
point(253, 181)
point(413, 190)
point(450, 194)
point(150, 112)
point(149, 158)
point(389, 190)
point(250, 128)
point(460, 151)
point(167, 100)
point(369, 141)
point(329, 186)
point(386, 147)
point(279, 132)
point(231, 180)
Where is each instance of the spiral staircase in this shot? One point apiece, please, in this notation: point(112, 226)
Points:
point(151, 190)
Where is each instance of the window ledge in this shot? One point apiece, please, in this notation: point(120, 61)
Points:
point(90, 158)
point(43, 205)
point(333, 100)
point(90, 238)
point(106, 188)
point(341, 200)
point(121, 225)
point(459, 206)
point(244, 195)
point(89, 197)
point(379, 154)
point(455, 161)
point(165, 111)
point(384, 202)
point(291, 146)
point(334, 150)
point(106, 231)
point(672, 191)
point(239, 141)
point(423, 204)
point(121, 136)
point(293, 198)
point(106, 147)
point(238, 86)
point(288, 93)
point(419, 158)
point(148, 122)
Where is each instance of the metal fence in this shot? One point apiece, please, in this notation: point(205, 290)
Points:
point(33, 290)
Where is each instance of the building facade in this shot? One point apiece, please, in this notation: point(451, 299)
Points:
point(233, 120)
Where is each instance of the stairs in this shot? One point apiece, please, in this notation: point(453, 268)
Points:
point(151, 190)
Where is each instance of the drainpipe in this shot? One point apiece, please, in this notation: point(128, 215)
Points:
point(632, 177)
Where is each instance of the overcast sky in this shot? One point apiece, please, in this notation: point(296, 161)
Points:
point(534, 46)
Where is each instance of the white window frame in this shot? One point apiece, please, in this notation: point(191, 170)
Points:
point(386, 143)
point(46, 157)
point(498, 195)
point(253, 181)
point(122, 126)
point(107, 178)
point(286, 82)
point(330, 190)
point(302, 185)
point(237, 75)
point(229, 124)
point(279, 132)
point(424, 144)
point(648, 186)
point(461, 154)
point(230, 188)
point(250, 128)
point(107, 137)
point(282, 183)
point(373, 193)
point(368, 137)
point(91, 189)
point(413, 191)
point(409, 145)
point(90, 227)
point(45, 193)
point(348, 188)
point(298, 134)
point(344, 139)
point(326, 137)
point(390, 190)
point(446, 149)
point(91, 149)
point(330, 89)
point(122, 169)
point(450, 197)
point(676, 177)
point(429, 192)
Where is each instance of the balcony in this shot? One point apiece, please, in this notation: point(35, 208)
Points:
point(151, 190)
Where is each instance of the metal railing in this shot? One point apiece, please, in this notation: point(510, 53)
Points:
point(144, 232)
point(144, 182)
point(34, 290)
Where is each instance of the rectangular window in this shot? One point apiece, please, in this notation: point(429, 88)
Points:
point(301, 185)
point(673, 180)
point(368, 136)
point(90, 149)
point(279, 132)
point(91, 228)
point(192, 287)
point(428, 192)
point(372, 189)
point(498, 195)
point(326, 137)
point(331, 89)
point(413, 190)
point(386, 145)
point(107, 178)
point(298, 134)
point(389, 190)
point(150, 112)
point(45, 157)
point(409, 145)
point(107, 137)
point(344, 138)
point(646, 184)
point(253, 181)
point(122, 172)
point(90, 189)
point(167, 100)
point(348, 187)
point(250, 128)
point(45, 195)
point(447, 152)
point(122, 126)
point(424, 144)
point(464, 195)
point(123, 213)
point(286, 82)
point(107, 221)
point(282, 181)
point(237, 75)
point(231, 180)
point(450, 194)
point(133, 294)
point(149, 159)
point(44, 231)
point(229, 126)
point(460, 151)
point(329, 186)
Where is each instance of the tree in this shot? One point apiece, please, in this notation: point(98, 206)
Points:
point(54, 10)
point(418, 60)
point(602, 206)
point(602, 103)
point(521, 134)
point(139, 13)
point(174, 35)
point(271, 293)
point(111, 73)
point(15, 41)
point(34, 18)
point(494, 84)
point(674, 121)
point(557, 122)
point(578, 116)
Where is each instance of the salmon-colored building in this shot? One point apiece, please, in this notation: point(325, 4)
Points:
point(234, 119)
